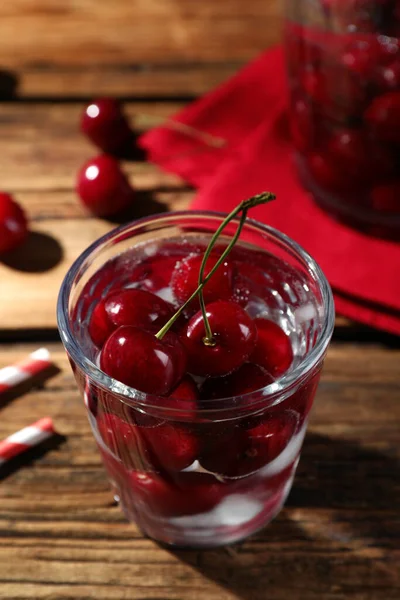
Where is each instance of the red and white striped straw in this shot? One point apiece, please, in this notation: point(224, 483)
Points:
point(26, 438)
point(23, 370)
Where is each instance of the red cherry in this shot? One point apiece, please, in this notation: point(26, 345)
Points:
point(388, 77)
point(13, 224)
point(359, 157)
point(138, 307)
point(314, 84)
point(383, 116)
point(326, 174)
point(252, 449)
point(155, 274)
point(184, 279)
point(348, 149)
point(248, 378)
point(388, 49)
point(186, 391)
point(302, 125)
point(270, 438)
point(361, 57)
point(127, 307)
point(348, 93)
point(184, 398)
point(138, 359)
point(234, 333)
point(334, 91)
point(103, 187)
point(123, 439)
point(173, 501)
point(106, 126)
point(173, 447)
point(100, 327)
point(273, 349)
point(386, 197)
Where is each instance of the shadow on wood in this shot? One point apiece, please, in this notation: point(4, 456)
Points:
point(8, 85)
point(362, 333)
point(362, 485)
point(338, 474)
point(144, 205)
point(41, 252)
point(131, 151)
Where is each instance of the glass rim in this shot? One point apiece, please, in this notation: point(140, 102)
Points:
point(275, 392)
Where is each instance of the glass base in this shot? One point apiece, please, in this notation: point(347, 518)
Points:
point(242, 517)
point(246, 504)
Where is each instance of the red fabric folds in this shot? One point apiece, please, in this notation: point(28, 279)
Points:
point(250, 113)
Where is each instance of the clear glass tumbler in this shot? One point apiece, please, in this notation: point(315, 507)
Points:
point(233, 486)
point(343, 59)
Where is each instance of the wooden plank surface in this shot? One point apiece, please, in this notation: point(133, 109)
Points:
point(45, 140)
point(42, 150)
point(62, 536)
point(338, 537)
point(131, 47)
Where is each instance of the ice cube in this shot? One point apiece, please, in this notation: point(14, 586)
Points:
point(287, 456)
point(237, 509)
point(305, 313)
point(166, 294)
point(257, 308)
point(233, 511)
point(150, 249)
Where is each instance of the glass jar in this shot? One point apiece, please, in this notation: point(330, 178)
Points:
point(343, 59)
point(229, 490)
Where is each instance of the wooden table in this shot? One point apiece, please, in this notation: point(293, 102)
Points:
point(62, 536)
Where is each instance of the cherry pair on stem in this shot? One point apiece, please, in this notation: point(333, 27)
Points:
point(217, 340)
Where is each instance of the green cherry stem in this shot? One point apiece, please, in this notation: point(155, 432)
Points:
point(243, 207)
point(208, 339)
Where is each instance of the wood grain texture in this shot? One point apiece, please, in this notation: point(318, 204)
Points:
point(44, 141)
point(42, 151)
point(62, 536)
point(140, 47)
point(140, 81)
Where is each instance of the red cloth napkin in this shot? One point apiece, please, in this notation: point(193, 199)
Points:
point(249, 112)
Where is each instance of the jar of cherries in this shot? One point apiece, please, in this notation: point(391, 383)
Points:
point(343, 60)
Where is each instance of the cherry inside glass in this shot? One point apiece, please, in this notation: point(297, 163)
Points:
point(344, 73)
point(217, 463)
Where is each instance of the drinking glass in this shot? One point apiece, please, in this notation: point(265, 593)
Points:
point(229, 491)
